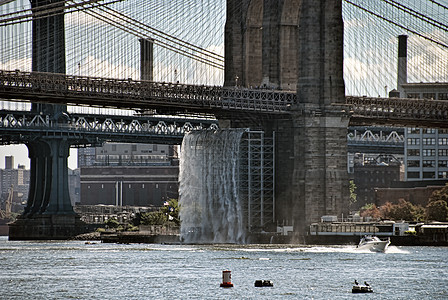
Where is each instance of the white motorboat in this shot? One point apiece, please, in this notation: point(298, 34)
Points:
point(373, 243)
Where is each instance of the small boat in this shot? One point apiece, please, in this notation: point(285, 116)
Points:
point(261, 283)
point(373, 243)
point(361, 289)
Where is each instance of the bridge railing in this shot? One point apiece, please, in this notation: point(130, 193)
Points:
point(178, 98)
point(128, 93)
point(397, 108)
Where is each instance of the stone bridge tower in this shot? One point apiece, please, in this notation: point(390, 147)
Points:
point(297, 45)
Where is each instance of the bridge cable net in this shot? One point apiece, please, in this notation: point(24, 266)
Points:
point(102, 38)
point(371, 30)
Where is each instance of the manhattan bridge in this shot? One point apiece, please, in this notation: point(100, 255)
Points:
point(298, 70)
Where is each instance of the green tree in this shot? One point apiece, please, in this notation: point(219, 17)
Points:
point(154, 218)
point(441, 194)
point(168, 214)
point(437, 211)
point(385, 210)
point(370, 210)
point(112, 223)
point(437, 207)
point(404, 210)
point(352, 188)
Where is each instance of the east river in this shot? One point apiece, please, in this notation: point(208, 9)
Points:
point(76, 270)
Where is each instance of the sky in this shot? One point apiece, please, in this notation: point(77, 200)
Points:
point(20, 153)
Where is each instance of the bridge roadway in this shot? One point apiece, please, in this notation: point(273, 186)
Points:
point(132, 94)
point(87, 129)
point(180, 98)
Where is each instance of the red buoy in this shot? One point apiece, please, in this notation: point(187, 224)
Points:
point(226, 279)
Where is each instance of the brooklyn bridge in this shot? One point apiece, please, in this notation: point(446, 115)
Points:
point(283, 74)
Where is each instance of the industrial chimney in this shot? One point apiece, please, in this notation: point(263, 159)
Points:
point(402, 77)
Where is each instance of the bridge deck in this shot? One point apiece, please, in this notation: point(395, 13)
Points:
point(180, 98)
point(132, 94)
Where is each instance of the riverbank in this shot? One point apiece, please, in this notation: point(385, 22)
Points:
point(145, 237)
point(138, 237)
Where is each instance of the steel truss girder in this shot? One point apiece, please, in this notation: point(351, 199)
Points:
point(171, 97)
point(82, 129)
point(375, 140)
point(404, 112)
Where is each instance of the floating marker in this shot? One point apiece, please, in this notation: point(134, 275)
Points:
point(226, 279)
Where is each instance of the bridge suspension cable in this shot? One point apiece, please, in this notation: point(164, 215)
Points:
point(48, 10)
point(417, 14)
point(102, 37)
point(371, 43)
point(141, 30)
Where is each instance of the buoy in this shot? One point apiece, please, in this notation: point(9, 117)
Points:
point(226, 279)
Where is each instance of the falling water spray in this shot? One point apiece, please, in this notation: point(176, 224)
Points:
point(211, 210)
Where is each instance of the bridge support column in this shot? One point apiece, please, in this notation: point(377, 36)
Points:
point(38, 153)
point(320, 178)
point(49, 213)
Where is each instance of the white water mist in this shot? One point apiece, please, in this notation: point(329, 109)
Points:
point(211, 210)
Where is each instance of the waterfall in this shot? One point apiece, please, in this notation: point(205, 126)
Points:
point(210, 208)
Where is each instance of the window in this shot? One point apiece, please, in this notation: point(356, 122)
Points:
point(429, 163)
point(443, 141)
point(429, 152)
point(442, 174)
point(443, 96)
point(413, 141)
point(413, 95)
point(413, 163)
point(413, 152)
point(413, 130)
point(429, 130)
point(429, 95)
point(429, 141)
point(413, 174)
point(443, 163)
point(429, 175)
point(443, 152)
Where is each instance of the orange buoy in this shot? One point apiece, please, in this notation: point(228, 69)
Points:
point(226, 279)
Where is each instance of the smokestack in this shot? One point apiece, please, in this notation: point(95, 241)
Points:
point(402, 77)
point(9, 162)
point(146, 59)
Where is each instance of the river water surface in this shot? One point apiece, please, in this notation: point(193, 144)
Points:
point(75, 270)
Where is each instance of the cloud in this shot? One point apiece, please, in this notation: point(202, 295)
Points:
point(92, 66)
point(22, 64)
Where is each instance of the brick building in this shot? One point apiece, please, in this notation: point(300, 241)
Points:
point(130, 185)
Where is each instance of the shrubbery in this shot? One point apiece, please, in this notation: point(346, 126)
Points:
point(435, 210)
